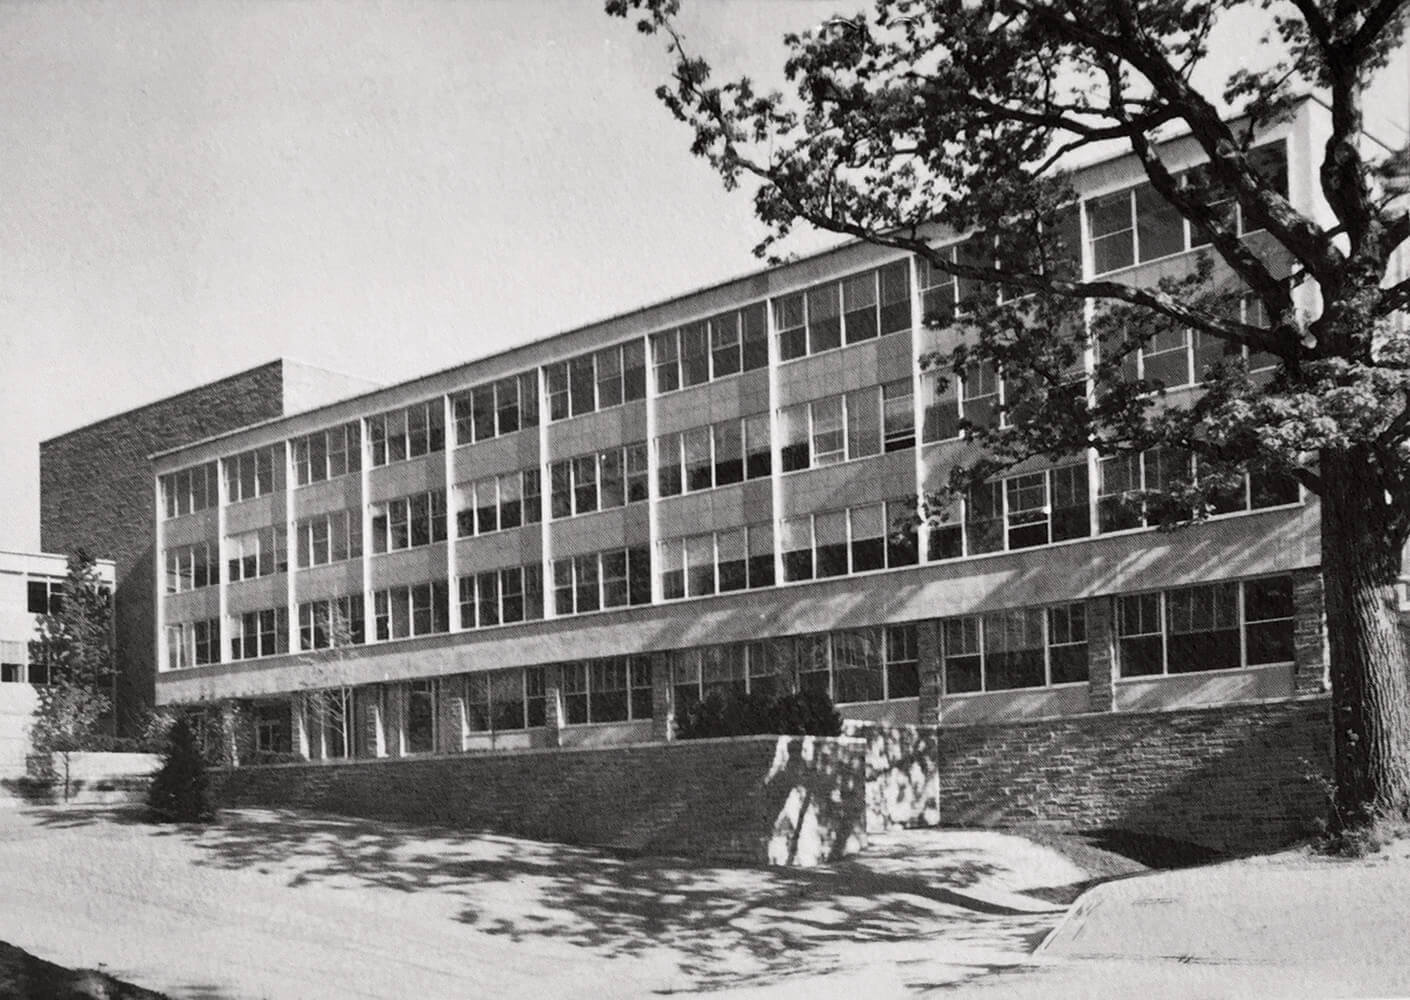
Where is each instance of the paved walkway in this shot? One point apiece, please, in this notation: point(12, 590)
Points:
point(1289, 925)
point(279, 904)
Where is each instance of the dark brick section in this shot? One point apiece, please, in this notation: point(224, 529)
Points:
point(932, 679)
point(95, 492)
point(1309, 633)
point(1237, 778)
point(1101, 655)
point(755, 799)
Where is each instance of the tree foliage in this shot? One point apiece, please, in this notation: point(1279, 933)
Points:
point(915, 125)
point(733, 713)
point(180, 790)
point(74, 643)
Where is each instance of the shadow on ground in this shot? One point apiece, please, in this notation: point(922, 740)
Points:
point(722, 926)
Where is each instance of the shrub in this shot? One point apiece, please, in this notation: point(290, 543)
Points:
point(731, 713)
point(180, 791)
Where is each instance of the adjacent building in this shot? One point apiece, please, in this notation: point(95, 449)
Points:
point(95, 490)
point(563, 543)
point(31, 584)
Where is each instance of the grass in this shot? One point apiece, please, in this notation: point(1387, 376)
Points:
point(24, 977)
point(1105, 855)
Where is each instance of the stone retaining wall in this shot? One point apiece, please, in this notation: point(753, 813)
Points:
point(1238, 778)
point(756, 799)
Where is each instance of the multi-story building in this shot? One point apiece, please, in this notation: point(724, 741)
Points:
point(31, 584)
point(95, 490)
point(561, 543)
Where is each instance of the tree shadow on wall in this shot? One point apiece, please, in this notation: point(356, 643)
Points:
point(717, 926)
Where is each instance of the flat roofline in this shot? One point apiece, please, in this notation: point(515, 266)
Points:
point(845, 244)
point(164, 399)
point(51, 555)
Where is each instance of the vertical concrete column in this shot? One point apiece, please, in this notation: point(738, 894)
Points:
point(931, 666)
point(394, 719)
point(663, 709)
point(1309, 633)
point(775, 445)
point(291, 550)
point(450, 709)
point(1101, 654)
point(364, 489)
point(368, 704)
point(918, 402)
point(653, 482)
point(553, 717)
point(448, 472)
point(550, 610)
point(230, 731)
point(300, 742)
point(222, 549)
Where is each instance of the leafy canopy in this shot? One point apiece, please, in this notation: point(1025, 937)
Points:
point(919, 123)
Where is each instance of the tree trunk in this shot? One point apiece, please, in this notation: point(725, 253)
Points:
point(1361, 562)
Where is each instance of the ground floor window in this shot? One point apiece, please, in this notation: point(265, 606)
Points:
point(1217, 626)
point(273, 731)
point(610, 689)
point(505, 700)
point(1015, 648)
point(421, 716)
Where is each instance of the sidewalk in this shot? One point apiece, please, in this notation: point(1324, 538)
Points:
point(284, 904)
point(1289, 925)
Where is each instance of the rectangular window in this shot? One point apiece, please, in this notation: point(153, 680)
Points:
point(902, 534)
point(609, 377)
point(1268, 620)
point(830, 541)
point(795, 452)
point(506, 404)
point(1202, 628)
point(942, 405)
point(824, 318)
point(668, 465)
point(672, 553)
point(754, 330)
point(963, 658)
point(1140, 642)
point(859, 665)
point(611, 485)
point(695, 354)
point(898, 416)
point(868, 525)
point(724, 345)
point(582, 381)
point(1027, 498)
point(791, 326)
point(1014, 649)
point(585, 484)
point(979, 399)
point(633, 370)
point(574, 679)
point(729, 452)
point(665, 358)
point(511, 500)
point(859, 315)
point(984, 518)
point(1067, 643)
point(699, 463)
point(614, 579)
point(902, 662)
point(586, 593)
point(732, 559)
point(511, 592)
point(634, 458)
point(1111, 231)
point(797, 549)
point(895, 280)
point(700, 565)
point(1165, 358)
point(829, 441)
point(506, 691)
point(608, 690)
point(560, 477)
point(556, 387)
point(812, 662)
point(761, 555)
point(758, 454)
point(533, 498)
point(863, 423)
point(1160, 228)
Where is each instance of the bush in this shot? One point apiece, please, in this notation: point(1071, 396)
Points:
point(180, 791)
point(731, 713)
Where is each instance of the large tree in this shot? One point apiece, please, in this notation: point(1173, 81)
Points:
point(918, 123)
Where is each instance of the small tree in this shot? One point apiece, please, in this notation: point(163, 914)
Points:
point(180, 791)
point(74, 644)
point(335, 634)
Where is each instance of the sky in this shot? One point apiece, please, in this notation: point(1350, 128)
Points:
point(385, 189)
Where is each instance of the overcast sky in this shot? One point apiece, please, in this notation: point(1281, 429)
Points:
point(191, 189)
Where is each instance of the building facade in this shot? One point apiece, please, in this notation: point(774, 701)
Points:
point(564, 543)
point(31, 584)
point(95, 490)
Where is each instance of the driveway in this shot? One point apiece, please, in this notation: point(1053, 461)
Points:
point(286, 904)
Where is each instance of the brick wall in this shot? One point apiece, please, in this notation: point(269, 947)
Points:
point(756, 799)
point(1237, 778)
point(903, 785)
point(95, 492)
